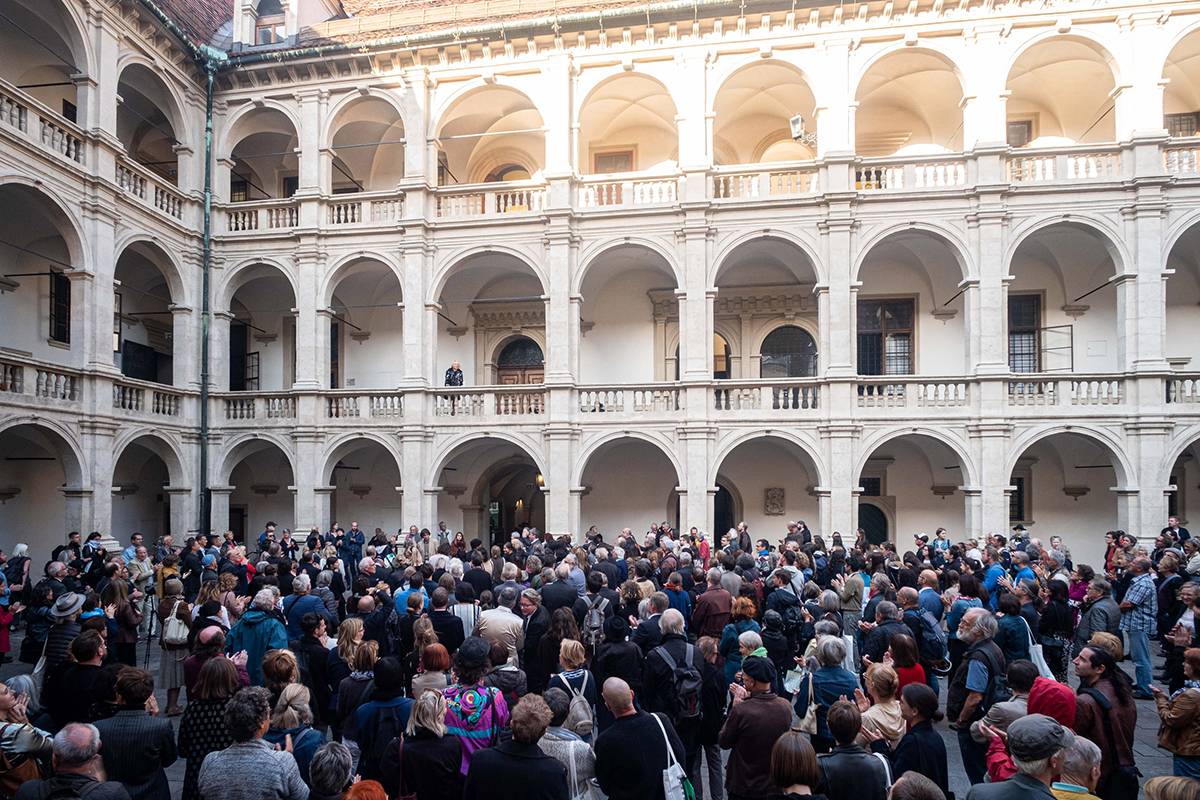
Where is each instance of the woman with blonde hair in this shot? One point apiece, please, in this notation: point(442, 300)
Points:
point(353, 691)
point(1166, 787)
point(423, 636)
point(291, 723)
point(881, 710)
point(427, 763)
point(228, 597)
point(576, 679)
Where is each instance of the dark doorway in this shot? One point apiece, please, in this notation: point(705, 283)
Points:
point(238, 341)
point(723, 512)
point(237, 523)
point(873, 522)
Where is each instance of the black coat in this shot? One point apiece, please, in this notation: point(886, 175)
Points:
point(631, 756)
point(428, 766)
point(851, 773)
point(449, 629)
point(658, 679)
point(137, 750)
point(921, 750)
point(647, 635)
point(558, 595)
point(536, 625)
point(619, 660)
point(314, 659)
point(514, 771)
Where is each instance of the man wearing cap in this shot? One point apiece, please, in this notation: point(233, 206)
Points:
point(756, 720)
point(1036, 743)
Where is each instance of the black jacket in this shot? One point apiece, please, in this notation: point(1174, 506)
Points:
point(535, 625)
point(514, 771)
point(851, 773)
point(921, 750)
point(876, 642)
point(449, 629)
point(619, 660)
point(658, 680)
point(137, 750)
point(314, 673)
point(428, 766)
point(631, 756)
point(647, 635)
point(559, 594)
point(39, 790)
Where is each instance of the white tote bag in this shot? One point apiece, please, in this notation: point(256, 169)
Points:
point(1036, 655)
point(673, 776)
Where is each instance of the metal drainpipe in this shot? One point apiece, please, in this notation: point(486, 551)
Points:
point(210, 74)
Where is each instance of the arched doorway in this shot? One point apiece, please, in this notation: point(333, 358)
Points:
point(490, 487)
point(42, 489)
point(628, 483)
point(873, 522)
point(520, 362)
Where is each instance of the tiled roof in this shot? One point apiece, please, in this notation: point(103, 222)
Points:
point(201, 19)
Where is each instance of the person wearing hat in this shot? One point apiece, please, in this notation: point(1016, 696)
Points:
point(617, 657)
point(756, 719)
point(1036, 743)
point(63, 629)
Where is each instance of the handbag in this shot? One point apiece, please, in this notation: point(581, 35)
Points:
point(585, 792)
point(16, 770)
point(1036, 654)
point(175, 630)
point(808, 723)
point(848, 662)
point(38, 676)
point(676, 785)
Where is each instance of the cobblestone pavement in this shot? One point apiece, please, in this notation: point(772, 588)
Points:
point(1151, 760)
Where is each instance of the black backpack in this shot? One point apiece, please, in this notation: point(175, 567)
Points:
point(375, 740)
point(688, 683)
point(52, 789)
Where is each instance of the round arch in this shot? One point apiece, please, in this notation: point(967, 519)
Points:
point(246, 445)
point(161, 446)
point(804, 324)
point(1179, 444)
point(1109, 237)
point(163, 259)
point(1087, 39)
point(345, 266)
point(176, 101)
point(597, 445)
point(76, 467)
point(1176, 231)
point(232, 132)
point(353, 98)
point(730, 246)
point(948, 237)
point(1097, 436)
point(908, 103)
point(952, 441)
point(596, 253)
point(622, 119)
point(246, 271)
point(344, 445)
point(438, 115)
point(77, 245)
point(752, 107)
point(456, 445)
point(736, 439)
point(887, 52)
point(455, 261)
point(727, 69)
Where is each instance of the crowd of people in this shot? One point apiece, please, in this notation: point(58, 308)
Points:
point(419, 665)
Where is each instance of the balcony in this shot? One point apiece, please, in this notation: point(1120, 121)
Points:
point(24, 116)
point(640, 402)
point(148, 188)
point(40, 385)
point(149, 401)
point(1086, 164)
point(756, 399)
point(490, 200)
point(626, 190)
point(1071, 391)
point(910, 394)
point(763, 182)
point(923, 173)
point(507, 403)
point(262, 216)
point(364, 210)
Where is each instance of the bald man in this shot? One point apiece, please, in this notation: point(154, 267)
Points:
point(632, 752)
point(930, 595)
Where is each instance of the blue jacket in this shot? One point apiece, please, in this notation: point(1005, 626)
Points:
point(297, 605)
point(256, 633)
point(829, 684)
point(729, 646)
point(680, 601)
point(305, 742)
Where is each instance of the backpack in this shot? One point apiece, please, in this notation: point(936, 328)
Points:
point(377, 739)
point(50, 789)
point(174, 630)
point(14, 570)
point(932, 646)
point(793, 619)
point(687, 682)
point(580, 719)
point(593, 623)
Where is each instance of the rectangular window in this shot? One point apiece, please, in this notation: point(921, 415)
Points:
point(116, 322)
point(239, 190)
point(69, 111)
point(1024, 332)
point(613, 161)
point(1017, 510)
point(1186, 124)
point(1020, 132)
point(60, 308)
point(252, 376)
point(269, 32)
point(871, 487)
point(885, 337)
point(290, 185)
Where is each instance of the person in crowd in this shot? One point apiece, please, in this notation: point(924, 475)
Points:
point(122, 605)
point(825, 685)
point(426, 761)
point(475, 712)
point(502, 674)
point(74, 690)
point(312, 658)
point(795, 774)
point(1179, 715)
point(567, 746)
point(1080, 772)
point(261, 772)
point(713, 608)
point(975, 687)
point(849, 772)
point(516, 768)
point(502, 624)
point(905, 659)
point(1037, 743)
point(63, 630)
point(1106, 714)
point(77, 769)
point(1020, 676)
point(449, 627)
point(24, 746)
point(741, 620)
point(202, 728)
point(257, 632)
point(354, 691)
point(880, 706)
point(382, 717)
point(1056, 630)
point(969, 595)
point(1139, 618)
point(434, 672)
point(633, 752)
point(1099, 613)
point(757, 717)
point(922, 749)
point(577, 681)
point(1013, 635)
point(1172, 788)
point(291, 722)
point(172, 653)
point(280, 669)
point(302, 601)
point(138, 744)
point(889, 621)
point(330, 772)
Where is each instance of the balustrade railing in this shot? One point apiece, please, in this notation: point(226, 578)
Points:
point(1067, 165)
point(137, 181)
point(56, 384)
point(1041, 390)
point(38, 123)
point(487, 200)
point(912, 392)
point(365, 210)
point(12, 378)
point(910, 173)
point(269, 406)
point(771, 398)
point(623, 191)
point(630, 400)
point(492, 402)
point(265, 215)
point(752, 184)
point(1183, 389)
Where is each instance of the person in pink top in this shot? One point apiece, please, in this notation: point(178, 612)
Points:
point(474, 713)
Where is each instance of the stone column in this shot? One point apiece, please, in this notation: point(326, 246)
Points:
point(413, 264)
point(835, 100)
point(413, 465)
point(990, 442)
point(842, 508)
point(218, 351)
point(96, 440)
point(695, 506)
point(689, 91)
point(184, 348)
point(312, 321)
point(984, 97)
point(1149, 440)
point(182, 510)
point(556, 84)
point(311, 508)
point(695, 312)
point(559, 443)
point(562, 338)
point(219, 509)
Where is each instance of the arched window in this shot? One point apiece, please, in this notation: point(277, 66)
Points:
point(722, 355)
point(507, 172)
point(520, 362)
point(788, 352)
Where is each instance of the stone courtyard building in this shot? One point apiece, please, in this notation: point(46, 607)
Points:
point(892, 265)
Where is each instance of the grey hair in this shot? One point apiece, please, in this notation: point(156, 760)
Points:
point(264, 600)
point(509, 571)
point(984, 625)
point(1102, 586)
point(325, 578)
point(532, 596)
point(659, 602)
point(1079, 758)
point(301, 583)
point(714, 577)
point(71, 749)
point(21, 549)
point(887, 610)
point(246, 711)
point(331, 769)
point(562, 571)
point(508, 596)
point(1033, 768)
point(750, 640)
point(827, 627)
point(830, 601)
point(671, 621)
point(830, 651)
point(456, 568)
point(23, 684)
point(1058, 558)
